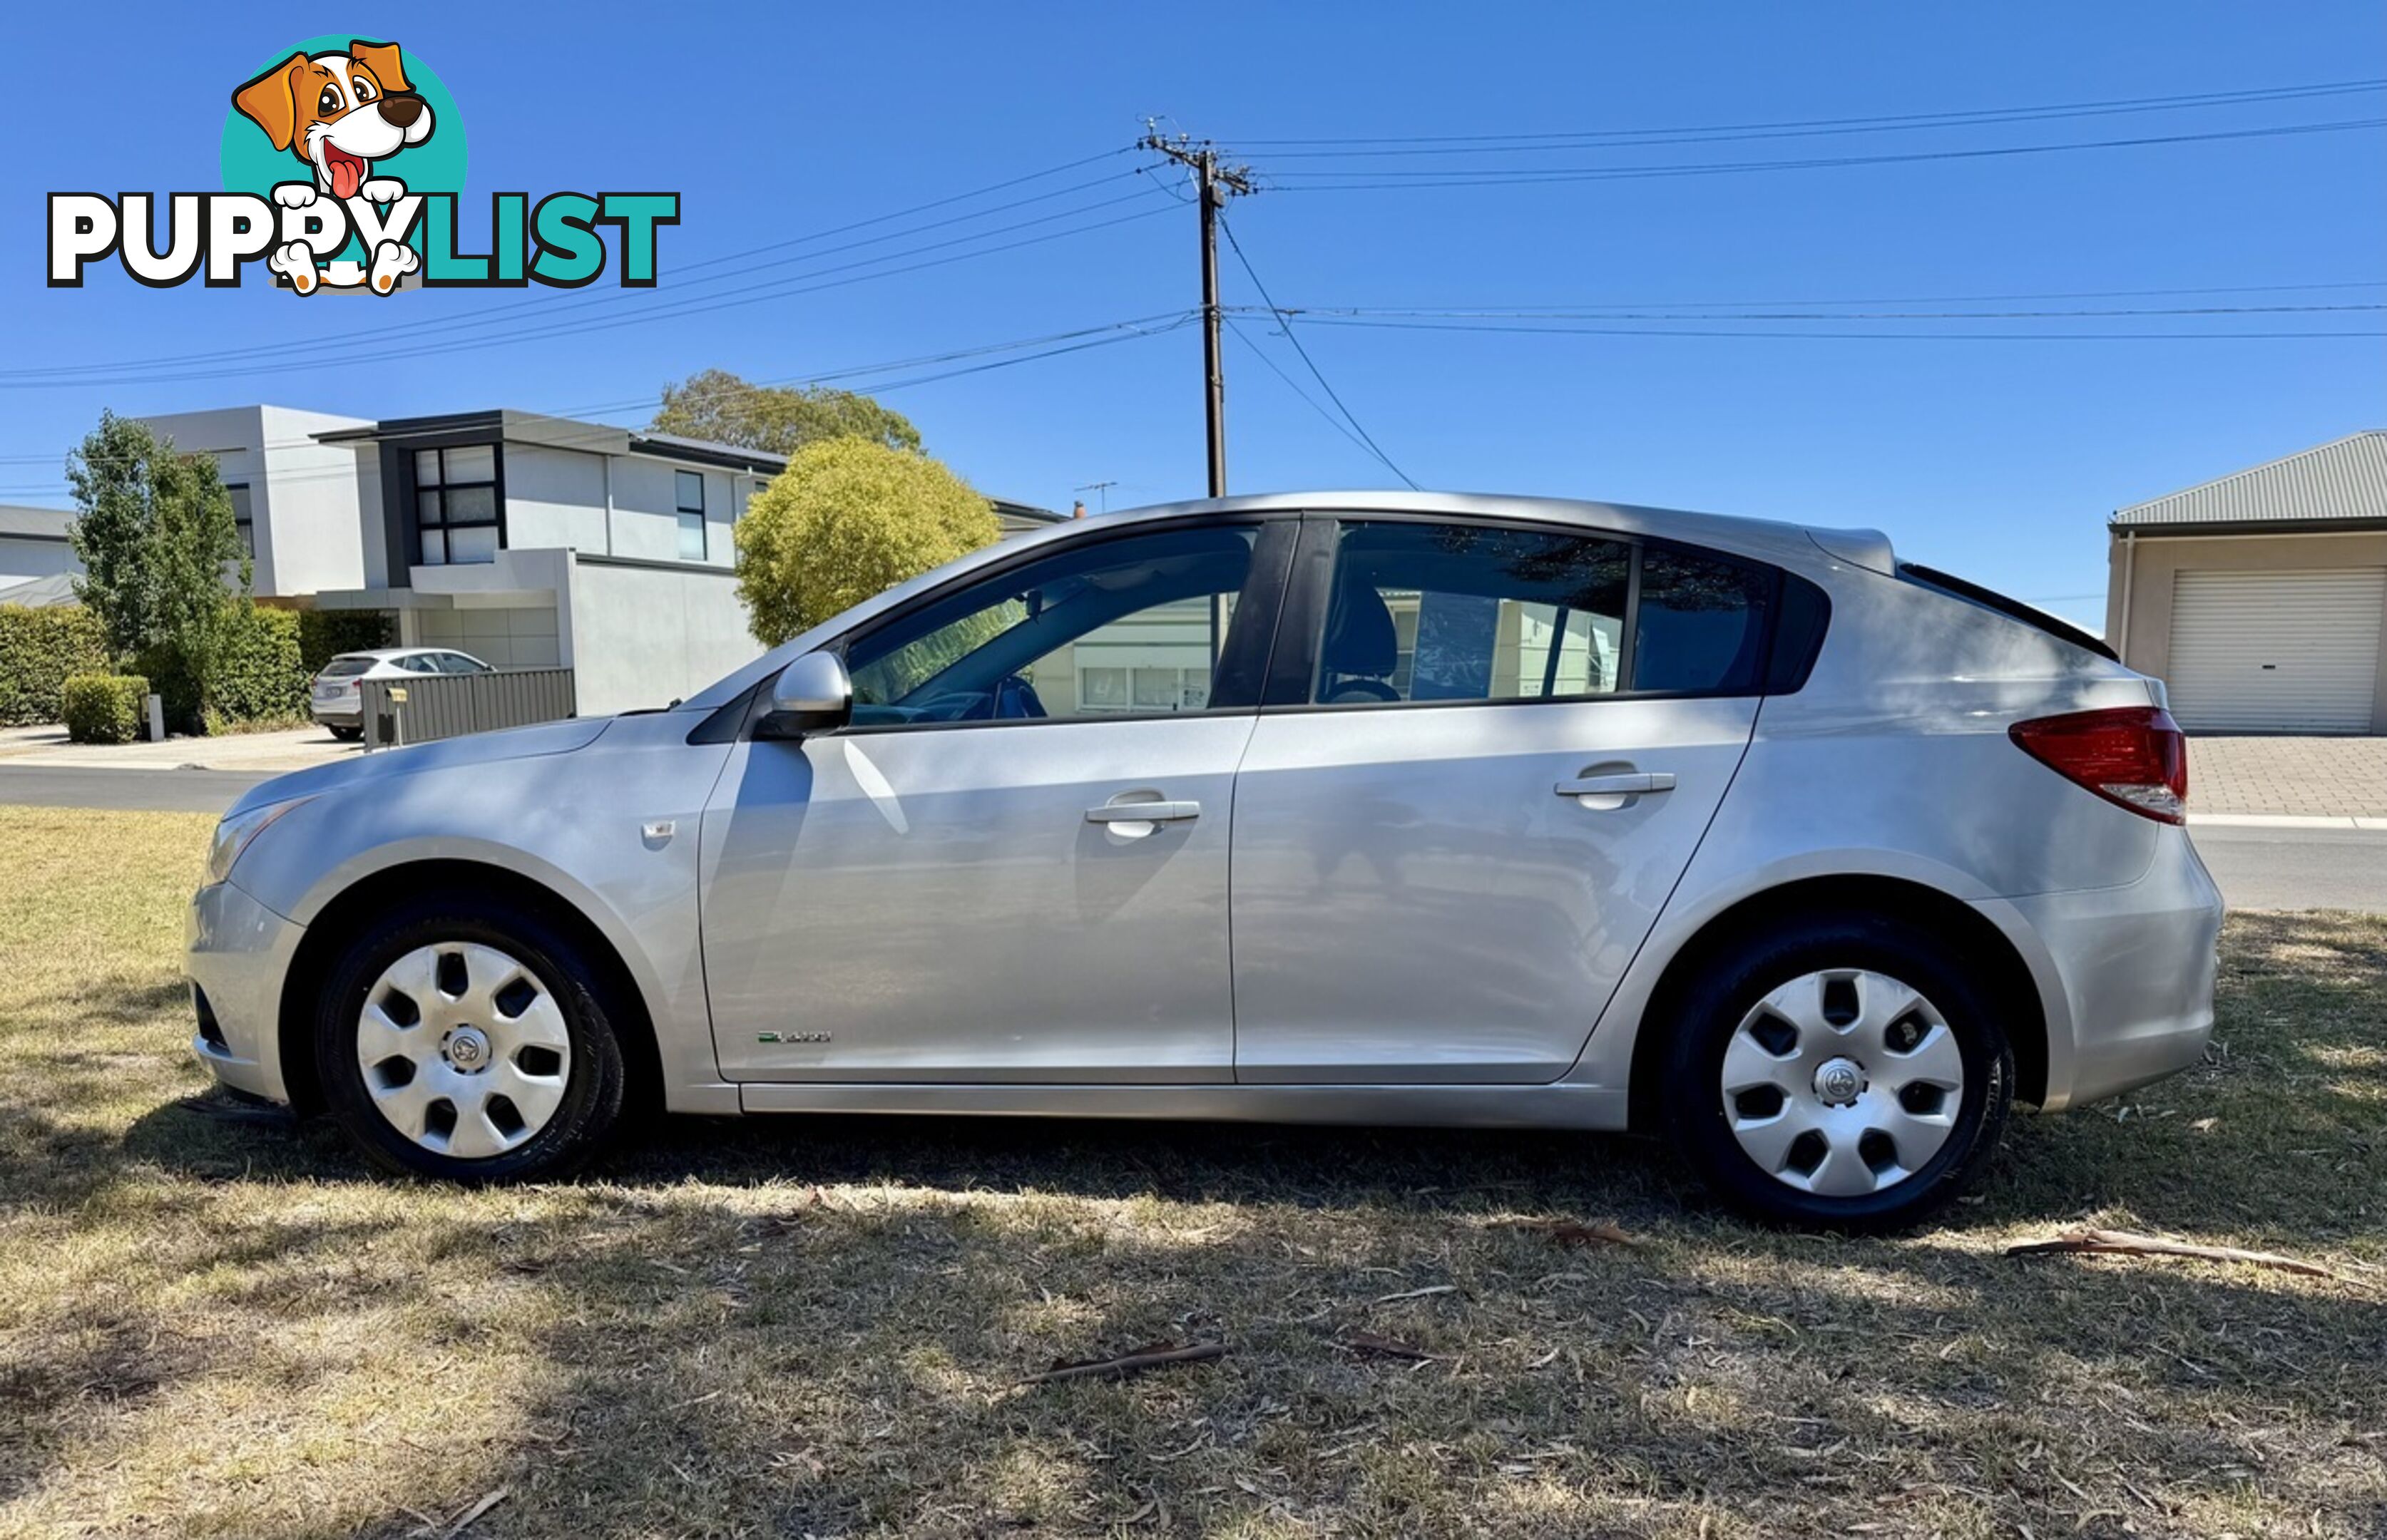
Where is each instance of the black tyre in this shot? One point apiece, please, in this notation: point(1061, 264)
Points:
point(346, 735)
point(1839, 1072)
point(471, 1040)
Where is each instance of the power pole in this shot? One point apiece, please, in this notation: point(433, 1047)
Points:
point(1216, 183)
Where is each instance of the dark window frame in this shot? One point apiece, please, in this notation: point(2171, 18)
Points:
point(1301, 622)
point(406, 490)
point(243, 495)
point(681, 510)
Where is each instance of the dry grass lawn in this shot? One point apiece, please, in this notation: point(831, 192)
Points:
point(215, 1323)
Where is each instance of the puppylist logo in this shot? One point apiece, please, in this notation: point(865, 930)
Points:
point(342, 164)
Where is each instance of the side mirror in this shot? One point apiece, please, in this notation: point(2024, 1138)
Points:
point(811, 695)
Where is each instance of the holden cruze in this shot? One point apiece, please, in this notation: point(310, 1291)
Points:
point(1402, 809)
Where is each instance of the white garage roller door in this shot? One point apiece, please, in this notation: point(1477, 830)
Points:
point(2276, 652)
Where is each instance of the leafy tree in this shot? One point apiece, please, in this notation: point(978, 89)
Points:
point(846, 520)
point(155, 537)
point(781, 419)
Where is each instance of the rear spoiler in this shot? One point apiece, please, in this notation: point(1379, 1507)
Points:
point(2013, 609)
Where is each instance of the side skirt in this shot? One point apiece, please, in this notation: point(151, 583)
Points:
point(1527, 1107)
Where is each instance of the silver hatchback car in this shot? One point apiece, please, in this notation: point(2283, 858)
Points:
point(1403, 809)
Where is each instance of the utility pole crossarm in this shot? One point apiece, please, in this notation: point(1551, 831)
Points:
point(1215, 183)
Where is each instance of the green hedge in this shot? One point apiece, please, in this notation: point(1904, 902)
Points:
point(250, 674)
point(255, 672)
point(39, 648)
point(325, 633)
point(104, 708)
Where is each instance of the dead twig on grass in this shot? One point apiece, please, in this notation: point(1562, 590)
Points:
point(1568, 1232)
point(1155, 1356)
point(2120, 1243)
point(1383, 1347)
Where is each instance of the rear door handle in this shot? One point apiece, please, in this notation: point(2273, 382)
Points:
point(1144, 812)
point(1618, 786)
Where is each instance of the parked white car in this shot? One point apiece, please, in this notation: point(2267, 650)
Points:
point(1520, 814)
point(337, 703)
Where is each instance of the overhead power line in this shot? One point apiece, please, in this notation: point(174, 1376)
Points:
point(1439, 144)
point(1051, 345)
point(285, 363)
point(1345, 182)
point(1625, 330)
point(1286, 324)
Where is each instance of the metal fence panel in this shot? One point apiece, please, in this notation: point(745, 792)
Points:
point(418, 708)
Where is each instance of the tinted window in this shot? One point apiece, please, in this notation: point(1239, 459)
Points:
point(346, 668)
point(1128, 626)
point(418, 664)
point(1702, 621)
point(1422, 612)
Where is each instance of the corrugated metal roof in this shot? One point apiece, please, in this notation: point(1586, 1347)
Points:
point(2340, 481)
point(37, 524)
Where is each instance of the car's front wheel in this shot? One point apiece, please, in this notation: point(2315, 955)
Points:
point(466, 1040)
point(1845, 1071)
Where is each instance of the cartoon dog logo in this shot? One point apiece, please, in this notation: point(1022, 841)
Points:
point(339, 113)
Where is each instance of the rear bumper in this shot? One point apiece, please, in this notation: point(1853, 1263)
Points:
point(237, 953)
point(344, 713)
point(2126, 974)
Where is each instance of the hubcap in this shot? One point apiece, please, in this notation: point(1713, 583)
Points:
point(464, 1049)
point(1842, 1082)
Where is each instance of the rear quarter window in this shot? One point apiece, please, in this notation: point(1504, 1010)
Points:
point(1703, 623)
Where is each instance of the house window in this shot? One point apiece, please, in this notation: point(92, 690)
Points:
point(691, 502)
point(244, 518)
point(456, 504)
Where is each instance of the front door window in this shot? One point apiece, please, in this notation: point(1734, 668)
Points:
point(1133, 627)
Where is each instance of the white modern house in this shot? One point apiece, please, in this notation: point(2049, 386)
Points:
point(528, 540)
point(33, 545)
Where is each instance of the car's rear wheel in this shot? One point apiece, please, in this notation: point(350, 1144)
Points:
point(346, 734)
point(465, 1040)
point(1844, 1071)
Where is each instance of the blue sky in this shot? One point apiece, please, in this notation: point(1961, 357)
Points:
point(1996, 458)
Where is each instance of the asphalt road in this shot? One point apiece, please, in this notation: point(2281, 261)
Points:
point(2297, 869)
point(2257, 868)
point(133, 791)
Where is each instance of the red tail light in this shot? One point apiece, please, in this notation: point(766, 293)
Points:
point(2133, 755)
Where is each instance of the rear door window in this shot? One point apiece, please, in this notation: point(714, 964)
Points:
point(1440, 613)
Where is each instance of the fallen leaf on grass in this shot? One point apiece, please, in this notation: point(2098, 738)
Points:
point(2120, 1243)
point(1568, 1232)
point(1385, 1348)
point(1152, 1355)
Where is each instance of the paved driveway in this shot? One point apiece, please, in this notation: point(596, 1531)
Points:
point(2326, 778)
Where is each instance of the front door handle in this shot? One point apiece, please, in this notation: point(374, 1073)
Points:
point(1634, 784)
point(1144, 812)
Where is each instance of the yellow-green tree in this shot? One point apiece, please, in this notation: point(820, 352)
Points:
point(849, 518)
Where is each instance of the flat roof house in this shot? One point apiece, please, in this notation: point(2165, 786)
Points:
point(528, 540)
point(33, 545)
point(2261, 599)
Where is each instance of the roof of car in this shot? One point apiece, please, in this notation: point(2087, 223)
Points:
point(1763, 537)
point(386, 653)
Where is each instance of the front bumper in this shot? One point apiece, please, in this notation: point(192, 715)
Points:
point(237, 952)
point(2125, 975)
